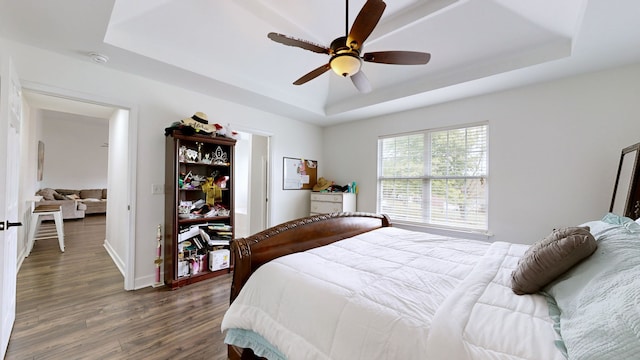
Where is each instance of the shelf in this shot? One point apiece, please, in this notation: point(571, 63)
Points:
point(186, 280)
point(202, 220)
point(199, 163)
point(175, 255)
point(181, 189)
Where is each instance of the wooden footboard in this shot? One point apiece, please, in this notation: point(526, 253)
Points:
point(295, 236)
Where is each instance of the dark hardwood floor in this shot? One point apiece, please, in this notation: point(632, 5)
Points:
point(72, 305)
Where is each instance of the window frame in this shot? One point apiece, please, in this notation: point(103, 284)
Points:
point(472, 232)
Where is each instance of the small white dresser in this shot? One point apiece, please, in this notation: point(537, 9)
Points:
point(328, 202)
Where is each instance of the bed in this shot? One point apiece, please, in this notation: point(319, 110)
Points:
point(351, 286)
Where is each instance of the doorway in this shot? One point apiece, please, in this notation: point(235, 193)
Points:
point(252, 183)
point(120, 155)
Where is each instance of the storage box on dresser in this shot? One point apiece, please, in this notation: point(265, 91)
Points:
point(328, 202)
point(210, 157)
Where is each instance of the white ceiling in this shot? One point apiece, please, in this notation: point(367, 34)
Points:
point(221, 48)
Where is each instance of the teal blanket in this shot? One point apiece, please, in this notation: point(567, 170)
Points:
point(249, 339)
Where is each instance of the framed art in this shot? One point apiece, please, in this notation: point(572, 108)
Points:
point(299, 174)
point(40, 159)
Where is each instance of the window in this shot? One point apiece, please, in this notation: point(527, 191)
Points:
point(435, 177)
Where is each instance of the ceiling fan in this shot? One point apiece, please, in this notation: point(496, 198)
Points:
point(345, 51)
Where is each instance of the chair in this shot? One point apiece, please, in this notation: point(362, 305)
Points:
point(36, 220)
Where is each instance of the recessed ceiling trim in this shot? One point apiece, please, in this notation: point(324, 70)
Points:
point(420, 12)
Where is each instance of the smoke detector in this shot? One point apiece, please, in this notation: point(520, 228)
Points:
point(98, 58)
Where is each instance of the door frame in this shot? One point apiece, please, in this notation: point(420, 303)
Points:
point(266, 204)
point(129, 271)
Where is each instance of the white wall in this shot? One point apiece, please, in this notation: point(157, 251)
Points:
point(553, 149)
point(158, 105)
point(74, 156)
point(117, 195)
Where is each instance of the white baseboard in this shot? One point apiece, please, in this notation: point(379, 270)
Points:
point(114, 256)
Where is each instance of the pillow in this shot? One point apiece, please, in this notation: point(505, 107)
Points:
point(596, 302)
point(73, 197)
point(68, 192)
point(104, 193)
point(91, 194)
point(47, 194)
point(545, 260)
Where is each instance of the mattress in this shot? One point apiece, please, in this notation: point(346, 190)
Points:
point(392, 294)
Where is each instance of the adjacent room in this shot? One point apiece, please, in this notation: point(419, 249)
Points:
point(420, 156)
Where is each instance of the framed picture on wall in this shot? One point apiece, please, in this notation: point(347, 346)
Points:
point(40, 159)
point(299, 174)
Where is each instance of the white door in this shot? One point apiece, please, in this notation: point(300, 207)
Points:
point(10, 119)
point(259, 184)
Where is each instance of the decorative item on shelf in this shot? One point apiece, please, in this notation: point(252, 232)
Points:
point(185, 207)
point(220, 157)
point(207, 159)
point(225, 131)
point(213, 192)
point(199, 151)
point(221, 210)
point(182, 155)
point(191, 155)
point(197, 181)
point(217, 210)
point(221, 181)
point(186, 180)
point(198, 124)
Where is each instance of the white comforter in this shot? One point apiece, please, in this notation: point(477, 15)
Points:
point(396, 294)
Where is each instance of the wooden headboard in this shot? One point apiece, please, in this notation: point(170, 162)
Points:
point(295, 236)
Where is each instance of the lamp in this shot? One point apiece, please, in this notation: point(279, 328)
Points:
point(345, 64)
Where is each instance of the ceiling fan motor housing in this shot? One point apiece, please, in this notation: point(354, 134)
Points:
point(344, 61)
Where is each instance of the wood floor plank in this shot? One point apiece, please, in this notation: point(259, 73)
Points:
point(72, 305)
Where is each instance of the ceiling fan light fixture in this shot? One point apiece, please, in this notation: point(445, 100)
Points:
point(345, 64)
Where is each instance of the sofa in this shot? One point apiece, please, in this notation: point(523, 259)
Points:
point(75, 203)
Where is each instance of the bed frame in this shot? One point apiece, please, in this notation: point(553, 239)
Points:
point(294, 236)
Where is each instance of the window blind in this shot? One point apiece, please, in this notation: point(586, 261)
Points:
point(436, 177)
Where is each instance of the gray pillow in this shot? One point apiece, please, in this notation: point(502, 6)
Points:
point(68, 192)
point(47, 194)
point(545, 260)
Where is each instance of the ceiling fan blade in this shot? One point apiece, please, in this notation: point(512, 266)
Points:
point(365, 22)
point(290, 41)
point(397, 57)
point(361, 82)
point(312, 74)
